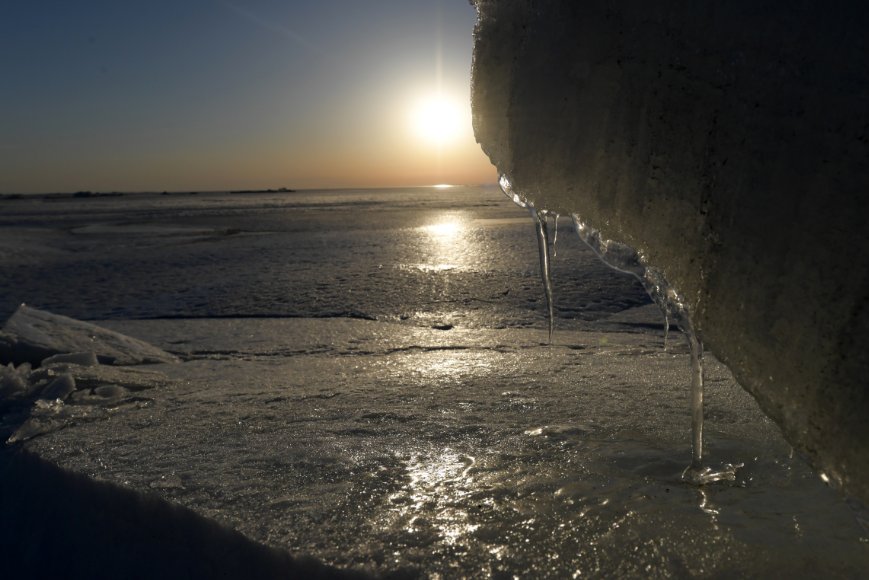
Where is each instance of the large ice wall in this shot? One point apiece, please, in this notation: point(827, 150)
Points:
point(727, 142)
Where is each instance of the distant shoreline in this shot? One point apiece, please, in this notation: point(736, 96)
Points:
point(61, 195)
point(50, 196)
point(279, 190)
point(100, 194)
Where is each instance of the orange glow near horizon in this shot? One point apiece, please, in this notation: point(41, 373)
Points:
point(345, 106)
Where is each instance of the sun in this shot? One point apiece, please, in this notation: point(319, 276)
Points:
point(437, 119)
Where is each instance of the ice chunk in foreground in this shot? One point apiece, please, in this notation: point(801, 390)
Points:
point(85, 359)
point(728, 145)
point(31, 335)
point(34, 402)
point(13, 380)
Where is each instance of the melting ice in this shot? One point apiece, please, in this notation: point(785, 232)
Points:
point(626, 259)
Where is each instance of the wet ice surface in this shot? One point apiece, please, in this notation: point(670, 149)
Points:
point(464, 452)
point(468, 449)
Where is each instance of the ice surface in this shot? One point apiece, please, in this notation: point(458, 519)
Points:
point(60, 524)
point(31, 335)
point(731, 153)
point(386, 262)
point(447, 437)
point(398, 449)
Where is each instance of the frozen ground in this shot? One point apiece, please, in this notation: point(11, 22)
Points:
point(388, 445)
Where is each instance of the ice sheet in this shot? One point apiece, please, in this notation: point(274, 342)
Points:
point(387, 447)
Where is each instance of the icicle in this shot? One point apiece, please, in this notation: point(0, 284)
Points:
point(543, 249)
point(625, 259)
point(555, 238)
point(696, 347)
point(542, 229)
point(666, 328)
point(696, 473)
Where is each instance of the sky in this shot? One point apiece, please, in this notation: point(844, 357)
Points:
point(108, 95)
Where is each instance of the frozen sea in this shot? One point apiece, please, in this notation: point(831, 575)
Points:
point(365, 380)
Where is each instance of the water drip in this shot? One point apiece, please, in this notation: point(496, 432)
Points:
point(696, 347)
point(696, 473)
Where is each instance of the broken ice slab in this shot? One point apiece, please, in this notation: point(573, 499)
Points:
point(31, 335)
point(84, 359)
point(34, 402)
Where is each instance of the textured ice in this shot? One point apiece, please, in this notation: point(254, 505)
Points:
point(467, 453)
point(31, 335)
point(60, 524)
point(731, 152)
point(38, 401)
point(68, 386)
point(447, 437)
point(85, 359)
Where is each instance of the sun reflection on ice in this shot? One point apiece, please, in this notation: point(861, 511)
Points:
point(432, 500)
point(448, 244)
point(445, 231)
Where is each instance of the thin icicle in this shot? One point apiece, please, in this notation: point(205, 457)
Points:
point(696, 473)
point(666, 328)
point(696, 347)
point(542, 228)
point(555, 238)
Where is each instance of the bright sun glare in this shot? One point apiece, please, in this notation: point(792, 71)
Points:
point(437, 119)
